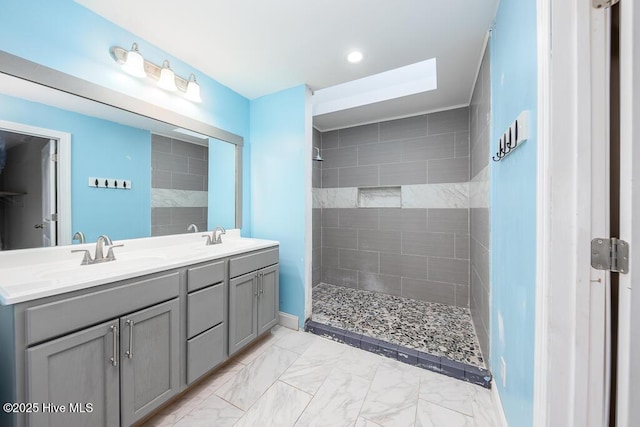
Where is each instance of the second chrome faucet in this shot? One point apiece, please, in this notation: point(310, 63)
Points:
point(102, 242)
point(215, 238)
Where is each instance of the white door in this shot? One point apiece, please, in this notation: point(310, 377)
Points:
point(628, 390)
point(49, 196)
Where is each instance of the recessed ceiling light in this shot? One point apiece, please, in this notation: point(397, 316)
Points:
point(355, 57)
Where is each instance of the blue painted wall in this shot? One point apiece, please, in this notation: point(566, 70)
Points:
point(513, 209)
point(102, 149)
point(278, 188)
point(65, 36)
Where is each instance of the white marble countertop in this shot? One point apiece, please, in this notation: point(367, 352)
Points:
point(30, 274)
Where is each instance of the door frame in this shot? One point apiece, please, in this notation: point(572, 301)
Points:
point(628, 390)
point(569, 357)
point(63, 172)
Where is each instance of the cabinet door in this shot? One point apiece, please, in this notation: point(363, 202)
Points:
point(149, 349)
point(268, 298)
point(243, 324)
point(79, 368)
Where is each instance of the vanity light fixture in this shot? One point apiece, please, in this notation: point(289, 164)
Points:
point(133, 63)
point(167, 80)
point(193, 89)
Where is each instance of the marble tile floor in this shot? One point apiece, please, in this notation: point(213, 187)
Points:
point(437, 329)
point(293, 378)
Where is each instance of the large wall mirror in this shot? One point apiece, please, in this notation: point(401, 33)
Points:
point(71, 164)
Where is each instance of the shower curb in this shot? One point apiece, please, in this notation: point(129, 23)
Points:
point(410, 356)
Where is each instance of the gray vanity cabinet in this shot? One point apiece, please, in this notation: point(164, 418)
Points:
point(253, 297)
point(243, 311)
point(78, 368)
point(149, 359)
point(268, 281)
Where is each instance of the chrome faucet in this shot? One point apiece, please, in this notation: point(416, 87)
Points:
point(215, 238)
point(102, 241)
point(192, 227)
point(79, 236)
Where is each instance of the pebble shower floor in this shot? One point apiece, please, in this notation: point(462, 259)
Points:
point(438, 329)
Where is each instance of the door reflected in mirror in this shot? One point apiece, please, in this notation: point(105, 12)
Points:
point(177, 177)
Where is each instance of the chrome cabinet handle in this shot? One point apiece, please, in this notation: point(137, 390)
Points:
point(129, 353)
point(261, 283)
point(257, 285)
point(114, 358)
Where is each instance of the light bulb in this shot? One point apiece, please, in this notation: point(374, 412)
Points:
point(193, 90)
point(167, 79)
point(134, 63)
point(355, 57)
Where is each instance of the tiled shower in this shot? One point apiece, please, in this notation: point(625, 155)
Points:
point(422, 238)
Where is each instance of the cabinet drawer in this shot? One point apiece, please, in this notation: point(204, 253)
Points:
point(205, 352)
point(201, 277)
point(205, 309)
point(57, 318)
point(252, 262)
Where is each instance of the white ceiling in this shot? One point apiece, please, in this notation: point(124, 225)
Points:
point(260, 47)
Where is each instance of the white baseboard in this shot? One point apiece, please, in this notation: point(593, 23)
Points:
point(288, 320)
point(497, 405)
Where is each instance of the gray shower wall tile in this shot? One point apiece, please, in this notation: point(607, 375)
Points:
point(428, 244)
point(361, 176)
point(187, 149)
point(361, 218)
point(448, 220)
point(449, 270)
point(462, 246)
point(184, 181)
point(448, 121)
point(429, 147)
point(479, 223)
point(198, 167)
point(403, 219)
point(330, 139)
point(316, 276)
point(403, 265)
point(339, 238)
point(379, 153)
point(330, 257)
point(340, 157)
point(410, 127)
point(316, 218)
point(480, 153)
point(379, 283)
point(160, 216)
point(316, 258)
point(403, 173)
point(448, 170)
point(330, 217)
point(317, 237)
point(188, 215)
point(160, 143)
point(340, 277)
point(330, 178)
point(160, 179)
point(365, 134)
point(316, 177)
point(462, 296)
point(169, 162)
point(461, 144)
point(359, 260)
point(379, 240)
point(425, 290)
point(480, 262)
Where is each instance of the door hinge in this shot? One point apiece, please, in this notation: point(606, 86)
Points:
point(610, 254)
point(54, 217)
point(54, 157)
point(599, 4)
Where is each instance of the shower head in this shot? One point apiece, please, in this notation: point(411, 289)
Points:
point(317, 157)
